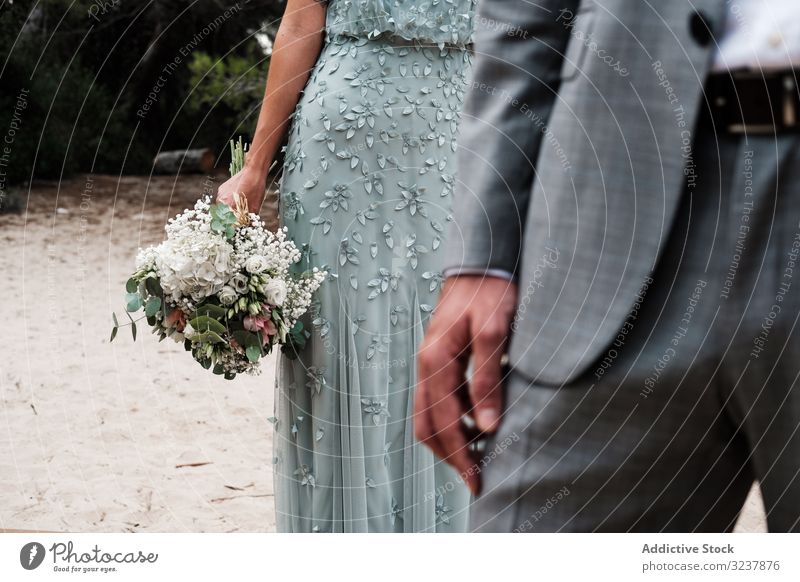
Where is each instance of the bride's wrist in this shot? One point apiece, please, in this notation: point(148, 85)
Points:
point(256, 168)
point(257, 161)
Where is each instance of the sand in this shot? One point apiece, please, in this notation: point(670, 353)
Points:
point(100, 437)
point(124, 436)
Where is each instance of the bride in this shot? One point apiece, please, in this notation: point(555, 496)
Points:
point(370, 93)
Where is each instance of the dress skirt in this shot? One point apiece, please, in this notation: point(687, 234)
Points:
point(366, 193)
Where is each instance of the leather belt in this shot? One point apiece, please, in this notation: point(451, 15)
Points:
point(754, 102)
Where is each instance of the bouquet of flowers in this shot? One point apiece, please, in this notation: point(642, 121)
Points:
point(224, 285)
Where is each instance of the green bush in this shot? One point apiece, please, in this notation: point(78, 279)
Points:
point(225, 94)
point(65, 126)
point(87, 74)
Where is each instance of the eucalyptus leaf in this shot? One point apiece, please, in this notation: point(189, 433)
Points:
point(289, 350)
point(210, 337)
point(247, 339)
point(133, 302)
point(152, 306)
point(211, 310)
point(153, 287)
point(253, 353)
point(206, 323)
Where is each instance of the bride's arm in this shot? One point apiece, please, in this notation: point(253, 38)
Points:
point(295, 52)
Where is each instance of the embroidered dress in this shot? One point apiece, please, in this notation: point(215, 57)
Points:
point(367, 192)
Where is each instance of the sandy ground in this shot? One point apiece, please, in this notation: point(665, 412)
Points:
point(124, 436)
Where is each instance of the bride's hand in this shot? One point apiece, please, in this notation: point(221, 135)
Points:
point(250, 182)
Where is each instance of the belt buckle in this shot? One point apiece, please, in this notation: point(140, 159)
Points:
point(753, 129)
point(788, 111)
point(789, 100)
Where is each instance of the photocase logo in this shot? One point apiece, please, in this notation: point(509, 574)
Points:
point(31, 555)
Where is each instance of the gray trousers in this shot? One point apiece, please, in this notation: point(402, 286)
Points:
point(698, 395)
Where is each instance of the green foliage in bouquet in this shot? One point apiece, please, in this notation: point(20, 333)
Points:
point(295, 341)
point(223, 217)
point(223, 220)
point(211, 323)
point(238, 156)
point(140, 291)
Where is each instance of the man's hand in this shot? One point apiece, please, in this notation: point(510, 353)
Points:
point(472, 319)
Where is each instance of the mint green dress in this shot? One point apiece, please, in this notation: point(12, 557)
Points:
point(367, 193)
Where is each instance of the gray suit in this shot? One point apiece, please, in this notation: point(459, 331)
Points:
point(587, 168)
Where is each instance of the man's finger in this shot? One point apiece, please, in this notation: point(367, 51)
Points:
point(440, 374)
point(451, 439)
point(485, 385)
point(445, 371)
point(423, 424)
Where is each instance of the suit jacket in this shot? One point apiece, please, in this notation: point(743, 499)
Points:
point(575, 148)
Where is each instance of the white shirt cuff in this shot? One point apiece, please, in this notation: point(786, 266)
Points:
point(501, 273)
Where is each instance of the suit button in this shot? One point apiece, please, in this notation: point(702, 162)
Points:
point(700, 27)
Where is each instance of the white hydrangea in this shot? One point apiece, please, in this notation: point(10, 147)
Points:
point(196, 263)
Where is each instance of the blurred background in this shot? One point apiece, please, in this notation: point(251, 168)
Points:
point(114, 116)
point(112, 83)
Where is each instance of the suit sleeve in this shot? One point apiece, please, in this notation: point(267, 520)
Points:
point(519, 48)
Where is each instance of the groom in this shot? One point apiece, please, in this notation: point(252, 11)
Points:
point(627, 240)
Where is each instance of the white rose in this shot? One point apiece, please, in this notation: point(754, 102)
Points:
point(255, 264)
point(239, 283)
point(275, 291)
point(227, 295)
point(188, 331)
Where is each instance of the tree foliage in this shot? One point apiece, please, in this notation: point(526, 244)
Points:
point(92, 67)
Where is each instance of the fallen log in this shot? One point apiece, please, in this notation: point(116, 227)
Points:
point(199, 161)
